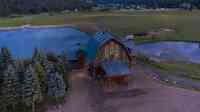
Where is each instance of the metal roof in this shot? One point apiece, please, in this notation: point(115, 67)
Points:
point(129, 44)
point(99, 39)
point(115, 68)
point(102, 37)
point(91, 50)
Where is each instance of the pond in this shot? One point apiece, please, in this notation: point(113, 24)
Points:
point(170, 50)
point(23, 41)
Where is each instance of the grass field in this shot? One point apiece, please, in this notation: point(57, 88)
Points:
point(185, 23)
point(173, 68)
point(186, 70)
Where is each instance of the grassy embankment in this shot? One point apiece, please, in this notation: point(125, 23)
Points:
point(185, 23)
point(185, 70)
point(180, 69)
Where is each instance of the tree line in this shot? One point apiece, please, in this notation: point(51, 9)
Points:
point(26, 85)
point(152, 3)
point(8, 7)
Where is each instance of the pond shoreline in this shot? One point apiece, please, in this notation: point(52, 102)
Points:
point(149, 41)
point(179, 51)
point(138, 40)
point(36, 27)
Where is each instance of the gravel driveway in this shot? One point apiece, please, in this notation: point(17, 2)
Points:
point(143, 94)
point(79, 99)
point(147, 95)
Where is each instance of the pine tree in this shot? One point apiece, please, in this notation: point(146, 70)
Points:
point(55, 81)
point(9, 88)
point(37, 94)
point(1, 82)
point(40, 73)
point(56, 85)
point(38, 56)
point(52, 57)
point(6, 56)
point(64, 68)
point(20, 71)
point(31, 92)
point(5, 60)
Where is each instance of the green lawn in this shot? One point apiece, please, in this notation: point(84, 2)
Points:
point(185, 23)
point(186, 70)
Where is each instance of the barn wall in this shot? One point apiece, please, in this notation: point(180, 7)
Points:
point(113, 50)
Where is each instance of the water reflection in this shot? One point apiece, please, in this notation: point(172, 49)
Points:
point(179, 51)
point(22, 42)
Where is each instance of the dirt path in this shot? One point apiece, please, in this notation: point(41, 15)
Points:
point(143, 94)
point(147, 95)
point(81, 97)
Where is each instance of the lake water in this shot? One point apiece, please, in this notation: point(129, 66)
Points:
point(178, 51)
point(22, 41)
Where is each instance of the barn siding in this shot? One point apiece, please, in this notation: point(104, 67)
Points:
point(113, 50)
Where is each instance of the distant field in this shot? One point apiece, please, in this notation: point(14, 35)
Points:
point(184, 23)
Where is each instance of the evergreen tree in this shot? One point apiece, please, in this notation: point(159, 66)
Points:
point(20, 71)
point(56, 85)
point(64, 68)
point(5, 58)
point(9, 88)
point(30, 88)
point(23, 85)
point(40, 72)
point(58, 65)
point(37, 94)
point(38, 56)
point(52, 57)
point(1, 82)
point(65, 64)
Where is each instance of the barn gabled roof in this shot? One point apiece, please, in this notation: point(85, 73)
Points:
point(115, 68)
point(100, 39)
point(103, 37)
point(130, 45)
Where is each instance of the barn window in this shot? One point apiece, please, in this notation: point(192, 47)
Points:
point(115, 51)
point(112, 50)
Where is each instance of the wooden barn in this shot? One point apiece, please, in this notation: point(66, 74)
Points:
point(85, 50)
point(109, 58)
point(113, 72)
